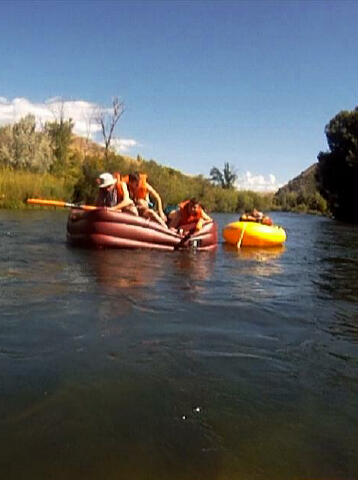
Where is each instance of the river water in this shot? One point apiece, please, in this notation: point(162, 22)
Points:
point(235, 365)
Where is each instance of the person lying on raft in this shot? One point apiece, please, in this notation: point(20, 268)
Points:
point(189, 211)
point(256, 216)
point(113, 193)
point(139, 191)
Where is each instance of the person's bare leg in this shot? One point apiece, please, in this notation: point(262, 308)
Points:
point(131, 209)
point(146, 212)
point(152, 215)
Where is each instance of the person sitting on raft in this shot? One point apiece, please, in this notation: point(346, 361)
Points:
point(256, 216)
point(188, 212)
point(113, 193)
point(139, 190)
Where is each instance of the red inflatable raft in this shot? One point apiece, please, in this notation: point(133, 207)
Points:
point(106, 228)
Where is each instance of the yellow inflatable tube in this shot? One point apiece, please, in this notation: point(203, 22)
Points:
point(253, 234)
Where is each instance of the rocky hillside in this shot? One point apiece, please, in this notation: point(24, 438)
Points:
point(301, 194)
point(305, 183)
point(85, 146)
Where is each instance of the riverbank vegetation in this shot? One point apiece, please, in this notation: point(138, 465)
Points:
point(329, 187)
point(18, 185)
point(172, 185)
point(51, 162)
point(337, 172)
point(301, 195)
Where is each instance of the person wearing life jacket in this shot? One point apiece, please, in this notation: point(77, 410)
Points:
point(113, 193)
point(256, 216)
point(139, 190)
point(189, 211)
point(267, 221)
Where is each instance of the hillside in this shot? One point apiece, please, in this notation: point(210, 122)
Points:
point(85, 146)
point(304, 183)
point(301, 194)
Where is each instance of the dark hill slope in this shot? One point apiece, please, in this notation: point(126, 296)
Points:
point(301, 194)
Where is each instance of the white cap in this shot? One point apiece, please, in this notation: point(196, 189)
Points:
point(106, 179)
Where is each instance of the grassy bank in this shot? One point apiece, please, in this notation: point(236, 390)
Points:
point(17, 185)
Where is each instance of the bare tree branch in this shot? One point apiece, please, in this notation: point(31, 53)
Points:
point(108, 121)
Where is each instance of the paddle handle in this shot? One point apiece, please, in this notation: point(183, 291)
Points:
point(58, 203)
point(241, 236)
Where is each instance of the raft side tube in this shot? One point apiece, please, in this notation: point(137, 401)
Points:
point(106, 228)
point(111, 216)
point(107, 241)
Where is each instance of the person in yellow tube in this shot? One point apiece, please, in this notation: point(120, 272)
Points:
point(256, 216)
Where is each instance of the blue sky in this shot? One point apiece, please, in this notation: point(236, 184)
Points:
point(252, 83)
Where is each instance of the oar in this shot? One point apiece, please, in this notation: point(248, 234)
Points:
point(241, 236)
point(189, 233)
point(184, 239)
point(58, 203)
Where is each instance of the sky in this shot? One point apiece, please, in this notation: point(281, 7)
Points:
point(251, 83)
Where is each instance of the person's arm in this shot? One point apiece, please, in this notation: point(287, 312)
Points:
point(157, 198)
point(99, 199)
point(205, 216)
point(174, 219)
point(126, 199)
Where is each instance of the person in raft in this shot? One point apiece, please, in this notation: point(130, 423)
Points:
point(139, 191)
point(256, 216)
point(113, 193)
point(188, 212)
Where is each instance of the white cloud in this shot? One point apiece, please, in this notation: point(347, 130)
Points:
point(123, 144)
point(257, 183)
point(82, 113)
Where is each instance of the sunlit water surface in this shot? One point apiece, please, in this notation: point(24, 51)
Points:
point(150, 365)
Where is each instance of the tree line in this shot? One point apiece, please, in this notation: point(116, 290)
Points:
point(337, 172)
point(50, 162)
point(329, 187)
point(301, 194)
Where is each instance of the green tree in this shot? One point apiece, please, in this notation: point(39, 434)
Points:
point(337, 172)
point(60, 135)
point(6, 146)
point(226, 178)
point(22, 147)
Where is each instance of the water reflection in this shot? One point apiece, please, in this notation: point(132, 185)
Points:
point(124, 269)
point(146, 281)
point(261, 262)
point(196, 266)
point(192, 272)
point(334, 251)
point(335, 276)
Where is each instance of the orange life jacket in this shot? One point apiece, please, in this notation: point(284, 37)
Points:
point(186, 217)
point(267, 221)
point(142, 190)
point(119, 187)
point(142, 187)
point(248, 218)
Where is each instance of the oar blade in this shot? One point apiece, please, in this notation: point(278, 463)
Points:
point(51, 203)
point(58, 203)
